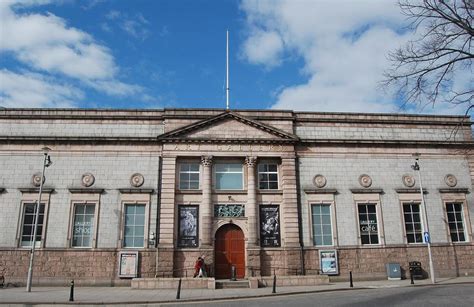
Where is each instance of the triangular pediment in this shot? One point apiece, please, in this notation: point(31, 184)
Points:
point(228, 126)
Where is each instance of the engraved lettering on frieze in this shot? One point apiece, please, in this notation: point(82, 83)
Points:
point(229, 210)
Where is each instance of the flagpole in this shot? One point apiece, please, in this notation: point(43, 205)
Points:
point(227, 71)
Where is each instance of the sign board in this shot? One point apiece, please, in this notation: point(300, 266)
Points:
point(128, 264)
point(328, 262)
point(270, 226)
point(188, 227)
point(427, 237)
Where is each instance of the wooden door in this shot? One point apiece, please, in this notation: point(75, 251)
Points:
point(229, 250)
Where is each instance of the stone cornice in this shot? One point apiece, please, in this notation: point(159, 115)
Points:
point(36, 190)
point(320, 191)
point(136, 191)
point(227, 141)
point(82, 114)
point(467, 144)
point(410, 190)
point(455, 190)
point(367, 191)
point(86, 190)
point(75, 139)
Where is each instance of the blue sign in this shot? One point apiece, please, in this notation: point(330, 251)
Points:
point(427, 237)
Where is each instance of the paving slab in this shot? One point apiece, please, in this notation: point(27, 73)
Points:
point(126, 296)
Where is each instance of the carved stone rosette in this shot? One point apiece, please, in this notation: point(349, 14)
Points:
point(450, 180)
point(137, 180)
point(206, 160)
point(408, 181)
point(36, 179)
point(319, 181)
point(251, 161)
point(365, 180)
point(87, 179)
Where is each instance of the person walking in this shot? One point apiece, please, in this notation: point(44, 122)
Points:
point(197, 267)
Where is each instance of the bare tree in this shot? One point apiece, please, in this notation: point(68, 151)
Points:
point(429, 68)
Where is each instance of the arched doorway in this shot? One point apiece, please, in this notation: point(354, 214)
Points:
point(229, 250)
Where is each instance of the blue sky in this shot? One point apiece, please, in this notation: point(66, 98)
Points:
point(300, 54)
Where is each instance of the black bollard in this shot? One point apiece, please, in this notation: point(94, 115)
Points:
point(71, 292)
point(350, 280)
point(232, 273)
point(411, 278)
point(274, 282)
point(178, 294)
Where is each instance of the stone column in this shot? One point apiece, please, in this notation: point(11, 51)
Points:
point(251, 211)
point(289, 215)
point(251, 207)
point(165, 256)
point(206, 205)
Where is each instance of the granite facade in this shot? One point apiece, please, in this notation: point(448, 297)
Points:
point(114, 145)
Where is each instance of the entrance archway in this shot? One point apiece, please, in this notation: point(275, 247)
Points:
point(229, 250)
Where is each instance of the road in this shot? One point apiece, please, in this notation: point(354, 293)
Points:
point(445, 295)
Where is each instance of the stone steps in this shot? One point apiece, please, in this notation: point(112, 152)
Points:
point(228, 284)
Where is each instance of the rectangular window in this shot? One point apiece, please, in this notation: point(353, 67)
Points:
point(413, 226)
point(83, 229)
point(322, 228)
point(229, 176)
point(455, 222)
point(189, 176)
point(134, 232)
point(368, 226)
point(27, 230)
point(268, 176)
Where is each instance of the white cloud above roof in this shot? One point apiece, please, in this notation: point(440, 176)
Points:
point(344, 45)
point(45, 44)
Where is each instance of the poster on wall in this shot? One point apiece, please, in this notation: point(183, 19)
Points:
point(270, 226)
point(128, 264)
point(188, 226)
point(328, 262)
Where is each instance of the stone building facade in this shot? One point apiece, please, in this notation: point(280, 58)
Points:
point(265, 191)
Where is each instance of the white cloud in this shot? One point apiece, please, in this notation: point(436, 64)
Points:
point(135, 26)
point(264, 48)
point(344, 45)
point(46, 44)
point(35, 90)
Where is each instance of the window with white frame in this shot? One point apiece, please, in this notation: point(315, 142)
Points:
point(228, 176)
point(454, 211)
point(368, 226)
point(268, 176)
point(27, 228)
point(189, 176)
point(83, 229)
point(413, 224)
point(321, 224)
point(134, 225)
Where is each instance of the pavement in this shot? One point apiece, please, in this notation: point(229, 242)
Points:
point(125, 296)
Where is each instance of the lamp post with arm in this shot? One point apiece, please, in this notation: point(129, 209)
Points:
point(46, 163)
point(426, 233)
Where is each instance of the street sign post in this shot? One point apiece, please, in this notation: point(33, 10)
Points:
point(427, 237)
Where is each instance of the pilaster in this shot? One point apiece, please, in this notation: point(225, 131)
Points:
point(206, 205)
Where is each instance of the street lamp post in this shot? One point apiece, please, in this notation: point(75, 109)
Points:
point(46, 163)
point(426, 233)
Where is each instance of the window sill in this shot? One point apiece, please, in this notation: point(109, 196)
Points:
point(269, 191)
point(229, 191)
point(189, 191)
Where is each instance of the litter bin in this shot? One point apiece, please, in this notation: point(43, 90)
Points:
point(415, 269)
point(393, 271)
